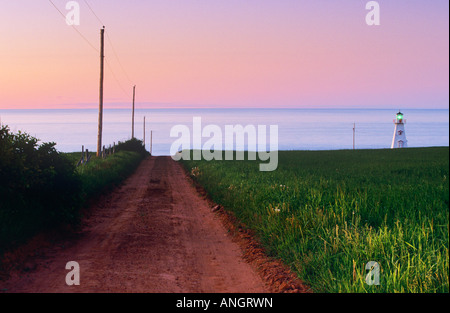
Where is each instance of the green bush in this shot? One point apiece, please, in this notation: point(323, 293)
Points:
point(39, 187)
point(134, 145)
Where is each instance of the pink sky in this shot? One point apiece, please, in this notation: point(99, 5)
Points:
point(211, 53)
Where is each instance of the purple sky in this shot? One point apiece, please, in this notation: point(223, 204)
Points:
point(210, 53)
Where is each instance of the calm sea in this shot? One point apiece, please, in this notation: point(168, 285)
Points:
point(298, 129)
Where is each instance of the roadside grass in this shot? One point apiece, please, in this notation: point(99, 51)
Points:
point(99, 175)
point(328, 213)
point(41, 188)
point(28, 215)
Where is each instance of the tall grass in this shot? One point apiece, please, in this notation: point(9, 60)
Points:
point(100, 175)
point(328, 213)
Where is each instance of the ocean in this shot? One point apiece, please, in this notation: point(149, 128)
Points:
point(298, 129)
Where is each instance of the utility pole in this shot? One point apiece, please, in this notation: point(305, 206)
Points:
point(100, 103)
point(132, 114)
point(354, 126)
point(151, 141)
point(144, 132)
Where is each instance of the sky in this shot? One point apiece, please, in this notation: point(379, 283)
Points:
point(227, 53)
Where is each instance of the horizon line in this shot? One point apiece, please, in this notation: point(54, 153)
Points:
point(233, 108)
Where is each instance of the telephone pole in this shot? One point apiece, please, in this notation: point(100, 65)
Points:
point(151, 141)
point(100, 104)
point(144, 132)
point(132, 114)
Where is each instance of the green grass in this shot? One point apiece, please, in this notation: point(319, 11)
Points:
point(26, 214)
point(328, 213)
point(42, 189)
point(100, 174)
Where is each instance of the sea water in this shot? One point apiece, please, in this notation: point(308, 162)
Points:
point(298, 129)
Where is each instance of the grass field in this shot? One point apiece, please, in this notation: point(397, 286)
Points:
point(328, 213)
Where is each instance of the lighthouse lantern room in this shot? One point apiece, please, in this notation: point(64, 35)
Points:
point(399, 139)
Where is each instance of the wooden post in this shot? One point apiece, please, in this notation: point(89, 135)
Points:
point(100, 102)
point(87, 155)
point(132, 115)
point(144, 132)
point(151, 141)
point(82, 154)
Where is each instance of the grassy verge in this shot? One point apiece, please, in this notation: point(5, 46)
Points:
point(101, 174)
point(41, 188)
point(328, 213)
point(28, 214)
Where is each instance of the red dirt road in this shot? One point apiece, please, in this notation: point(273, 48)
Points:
point(153, 234)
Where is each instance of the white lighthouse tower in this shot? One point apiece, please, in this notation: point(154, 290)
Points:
point(399, 139)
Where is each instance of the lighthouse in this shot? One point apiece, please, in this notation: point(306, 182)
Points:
point(399, 139)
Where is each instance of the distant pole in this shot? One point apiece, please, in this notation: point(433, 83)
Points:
point(132, 115)
point(144, 132)
point(100, 104)
point(151, 141)
point(354, 126)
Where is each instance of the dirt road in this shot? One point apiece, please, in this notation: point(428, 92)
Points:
point(155, 233)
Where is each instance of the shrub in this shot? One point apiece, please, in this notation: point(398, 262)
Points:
point(39, 187)
point(134, 145)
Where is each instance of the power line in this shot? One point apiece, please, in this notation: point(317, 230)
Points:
point(110, 43)
point(115, 78)
point(85, 1)
point(118, 60)
point(93, 47)
point(74, 28)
